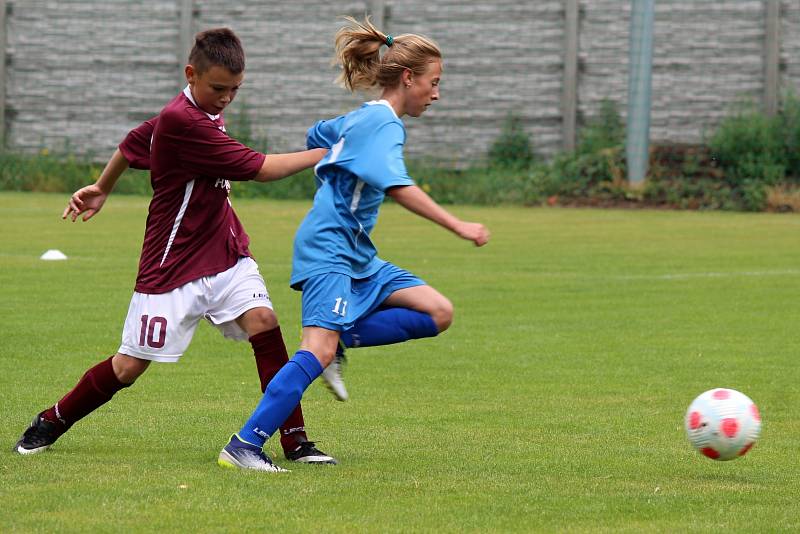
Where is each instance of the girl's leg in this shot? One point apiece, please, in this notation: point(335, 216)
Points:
point(269, 349)
point(409, 313)
point(287, 387)
point(427, 300)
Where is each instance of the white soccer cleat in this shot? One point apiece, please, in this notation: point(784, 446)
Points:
point(332, 375)
point(238, 454)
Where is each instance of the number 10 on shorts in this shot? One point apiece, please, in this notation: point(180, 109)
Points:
point(147, 334)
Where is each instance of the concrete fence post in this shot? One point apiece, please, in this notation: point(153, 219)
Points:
point(772, 57)
point(569, 91)
point(3, 38)
point(185, 37)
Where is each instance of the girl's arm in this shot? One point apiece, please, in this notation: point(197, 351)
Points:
point(417, 201)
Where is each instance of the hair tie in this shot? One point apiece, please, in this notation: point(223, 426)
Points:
point(389, 40)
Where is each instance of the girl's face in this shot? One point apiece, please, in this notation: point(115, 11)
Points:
point(421, 90)
point(215, 88)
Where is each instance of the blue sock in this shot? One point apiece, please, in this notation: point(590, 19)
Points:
point(281, 397)
point(389, 325)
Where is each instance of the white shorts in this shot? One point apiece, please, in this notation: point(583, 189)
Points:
point(159, 327)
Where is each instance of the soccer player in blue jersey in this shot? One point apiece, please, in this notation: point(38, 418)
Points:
point(349, 294)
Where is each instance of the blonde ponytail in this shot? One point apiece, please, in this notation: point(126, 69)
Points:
point(357, 50)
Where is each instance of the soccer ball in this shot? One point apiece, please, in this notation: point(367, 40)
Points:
point(723, 424)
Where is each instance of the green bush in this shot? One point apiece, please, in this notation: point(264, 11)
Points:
point(602, 131)
point(750, 145)
point(596, 169)
point(44, 172)
point(513, 148)
point(790, 124)
point(752, 162)
point(477, 185)
point(239, 125)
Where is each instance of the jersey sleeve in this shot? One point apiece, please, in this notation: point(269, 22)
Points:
point(324, 133)
point(379, 159)
point(136, 145)
point(207, 151)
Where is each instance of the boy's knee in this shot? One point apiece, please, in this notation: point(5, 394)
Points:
point(258, 320)
point(127, 368)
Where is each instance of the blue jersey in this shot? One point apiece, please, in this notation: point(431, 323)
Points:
point(365, 159)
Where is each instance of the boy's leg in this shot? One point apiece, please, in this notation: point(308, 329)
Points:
point(281, 396)
point(158, 327)
point(94, 389)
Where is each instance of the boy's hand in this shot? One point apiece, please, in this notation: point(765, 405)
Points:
point(87, 200)
point(475, 232)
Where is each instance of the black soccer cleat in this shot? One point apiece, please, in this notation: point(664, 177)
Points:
point(38, 437)
point(308, 453)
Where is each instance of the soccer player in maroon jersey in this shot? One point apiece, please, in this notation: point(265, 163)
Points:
point(195, 261)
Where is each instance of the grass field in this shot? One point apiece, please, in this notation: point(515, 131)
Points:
point(554, 403)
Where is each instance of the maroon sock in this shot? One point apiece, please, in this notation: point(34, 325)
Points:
point(271, 355)
point(94, 389)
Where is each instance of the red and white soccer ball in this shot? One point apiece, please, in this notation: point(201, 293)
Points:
point(723, 424)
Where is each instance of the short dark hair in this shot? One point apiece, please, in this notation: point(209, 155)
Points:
point(218, 46)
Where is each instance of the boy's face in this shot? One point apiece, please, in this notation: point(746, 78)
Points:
point(213, 89)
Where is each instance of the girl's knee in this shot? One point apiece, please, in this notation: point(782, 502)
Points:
point(320, 342)
point(443, 314)
point(325, 356)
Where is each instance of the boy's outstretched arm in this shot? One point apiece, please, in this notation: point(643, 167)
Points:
point(417, 201)
point(134, 151)
point(90, 199)
point(277, 166)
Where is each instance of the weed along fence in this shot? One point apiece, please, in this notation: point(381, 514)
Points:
point(78, 75)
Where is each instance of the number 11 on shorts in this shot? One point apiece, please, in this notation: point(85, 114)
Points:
point(148, 331)
point(341, 307)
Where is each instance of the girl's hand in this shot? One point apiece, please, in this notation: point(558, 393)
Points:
point(475, 232)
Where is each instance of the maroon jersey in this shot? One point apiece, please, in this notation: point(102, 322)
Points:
point(192, 230)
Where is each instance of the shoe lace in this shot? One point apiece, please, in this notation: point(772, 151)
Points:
point(42, 433)
point(308, 446)
point(264, 457)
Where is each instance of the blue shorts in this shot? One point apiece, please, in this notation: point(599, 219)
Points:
point(336, 301)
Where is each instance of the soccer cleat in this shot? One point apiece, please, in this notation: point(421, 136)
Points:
point(38, 437)
point(308, 453)
point(332, 375)
point(239, 454)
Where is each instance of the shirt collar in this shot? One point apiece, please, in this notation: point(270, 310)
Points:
point(188, 92)
point(385, 103)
